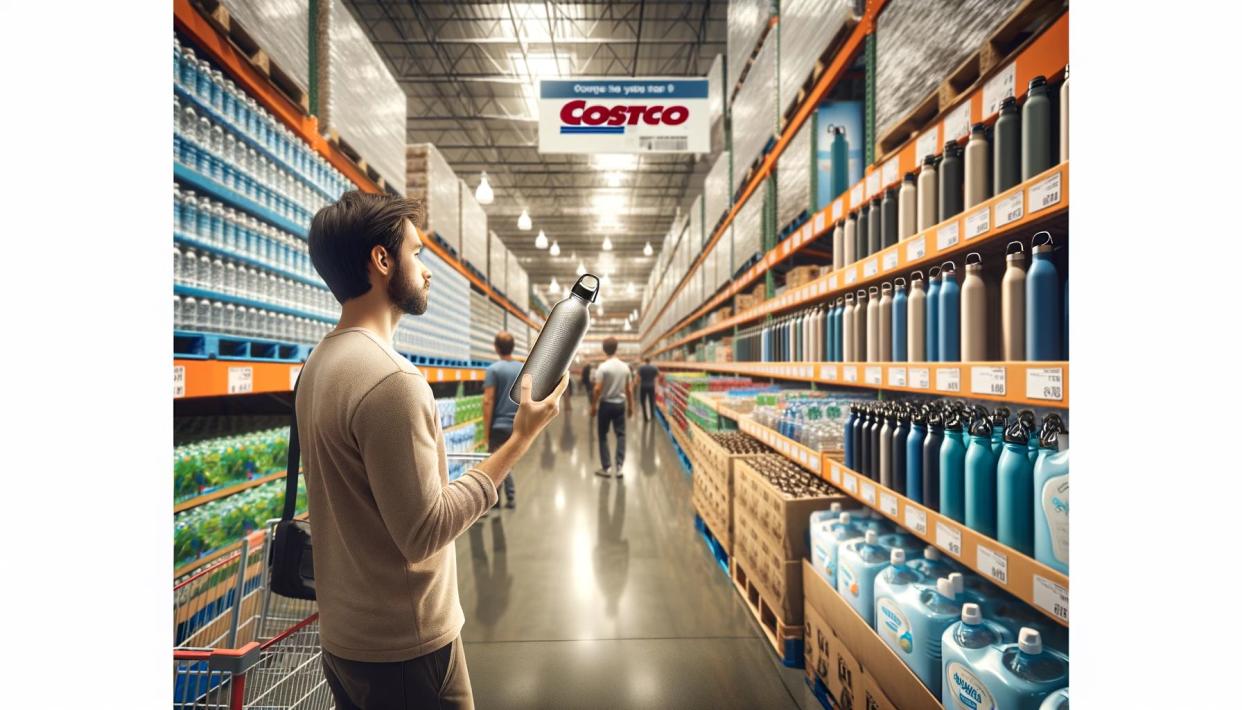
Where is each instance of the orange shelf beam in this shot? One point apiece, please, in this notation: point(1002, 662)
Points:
point(214, 378)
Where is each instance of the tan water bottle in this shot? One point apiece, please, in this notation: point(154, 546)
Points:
point(847, 329)
point(886, 323)
point(916, 319)
point(974, 311)
point(978, 160)
point(926, 199)
point(1065, 116)
point(873, 324)
point(1013, 303)
point(838, 246)
point(907, 208)
point(860, 325)
point(849, 237)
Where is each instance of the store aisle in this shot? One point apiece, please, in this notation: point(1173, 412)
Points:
point(599, 593)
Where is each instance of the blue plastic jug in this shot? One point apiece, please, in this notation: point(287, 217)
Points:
point(966, 645)
point(859, 561)
point(1057, 701)
point(1044, 317)
point(931, 460)
point(899, 320)
point(1051, 493)
point(914, 454)
point(1015, 492)
point(949, 348)
point(932, 565)
point(1028, 673)
point(826, 539)
point(910, 545)
point(953, 470)
point(897, 589)
point(900, 435)
point(934, 610)
point(932, 336)
point(980, 485)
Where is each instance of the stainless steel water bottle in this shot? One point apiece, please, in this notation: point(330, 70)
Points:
point(847, 329)
point(873, 324)
point(926, 198)
point(1065, 116)
point(558, 342)
point(875, 222)
point(860, 325)
point(951, 181)
point(838, 245)
point(1006, 147)
point(916, 319)
point(949, 348)
point(888, 218)
point(974, 311)
point(1037, 149)
point(1013, 303)
point(849, 241)
point(886, 323)
point(860, 239)
point(978, 162)
point(907, 208)
point(898, 331)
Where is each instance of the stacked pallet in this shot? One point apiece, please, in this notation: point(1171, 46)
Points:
point(429, 178)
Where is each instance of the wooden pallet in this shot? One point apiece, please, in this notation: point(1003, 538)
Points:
point(821, 64)
point(219, 15)
point(340, 143)
point(786, 639)
point(754, 52)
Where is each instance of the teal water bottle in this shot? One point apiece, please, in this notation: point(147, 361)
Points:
point(953, 470)
point(1014, 492)
point(840, 162)
point(1000, 420)
point(931, 460)
point(914, 454)
point(950, 314)
point(981, 479)
point(932, 321)
point(1044, 317)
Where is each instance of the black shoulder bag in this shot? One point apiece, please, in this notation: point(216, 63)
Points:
point(291, 568)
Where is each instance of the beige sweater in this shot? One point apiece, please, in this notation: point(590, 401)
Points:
point(382, 511)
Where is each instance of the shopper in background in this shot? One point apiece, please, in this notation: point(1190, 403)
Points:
point(647, 375)
point(586, 382)
point(498, 412)
point(382, 508)
point(612, 401)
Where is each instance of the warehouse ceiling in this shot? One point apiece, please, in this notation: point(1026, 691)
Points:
point(469, 70)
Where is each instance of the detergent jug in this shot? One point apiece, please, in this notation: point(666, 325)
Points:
point(1051, 492)
point(934, 610)
point(965, 645)
point(896, 589)
point(859, 561)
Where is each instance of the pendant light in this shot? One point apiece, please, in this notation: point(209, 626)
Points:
point(629, 289)
point(555, 249)
point(647, 250)
point(607, 244)
point(524, 221)
point(554, 288)
point(581, 268)
point(626, 327)
point(483, 193)
point(541, 241)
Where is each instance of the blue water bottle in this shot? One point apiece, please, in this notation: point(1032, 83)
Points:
point(914, 454)
point(899, 320)
point(900, 435)
point(932, 321)
point(1044, 318)
point(931, 459)
point(1014, 492)
point(953, 469)
point(949, 349)
point(981, 479)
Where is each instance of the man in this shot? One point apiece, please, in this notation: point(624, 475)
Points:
point(498, 408)
point(586, 381)
point(647, 375)
point(611, 403)
point(383, 511)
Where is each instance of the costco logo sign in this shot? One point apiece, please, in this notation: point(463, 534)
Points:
point(624, 116)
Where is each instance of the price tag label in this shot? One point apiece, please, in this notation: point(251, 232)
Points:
point(993, 564)
point(1044, 383)
point(888, 504)
point(873, 183)
point(1045, 193)
point(1009, 209)
point(851, 483)
point(927, 144)
point(978, 223)
point(823, 288)
point(1051, 597)
point(838, 209)
point(851, 275)
point(828, 372)
point(819, 222)
point(178, 381)
point(896, 377)
point(890, 173)
point(957, 123)
point(851, 373)
point(948, 379)
point(815, 463)
point(920, 378)
point(856, 195)
point(293, 376)
point(870, 268)
point(890, 261)
point(873, 375)
point(947, 236)
point(241, 380)
point(798, 238)
point(916, 520)
point(868, 493)
point(784, 249)
point(997, 88)
point(802, 457)
point(987, 380)
point(948, 537)
point(439, 375)
point(834, 472)
point(916, 249)
point(832, 282)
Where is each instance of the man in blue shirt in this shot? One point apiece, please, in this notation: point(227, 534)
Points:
point(498, 409)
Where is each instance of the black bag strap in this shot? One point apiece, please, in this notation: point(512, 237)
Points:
point(294, 462)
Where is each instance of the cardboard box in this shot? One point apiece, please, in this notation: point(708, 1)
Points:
point(873, 695)
point(845, 677)
point(801, 275)
point(784, 520)
point(818, 643)
point(891, 678)
point(778, 580)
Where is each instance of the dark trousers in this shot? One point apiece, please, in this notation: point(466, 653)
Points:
point(438, 679)
point(611, 414)
point(646, 400)
point(495, 439)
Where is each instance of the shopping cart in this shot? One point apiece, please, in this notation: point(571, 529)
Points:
point(237, 645)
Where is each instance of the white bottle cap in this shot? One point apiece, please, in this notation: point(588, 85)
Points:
point(931, 553)
point(958, 582)
point(844, 519)
point(1029, 641)
point(945, 588)
point(835, 508)
point(971, 614)
point(897, 557)
point(870, 537)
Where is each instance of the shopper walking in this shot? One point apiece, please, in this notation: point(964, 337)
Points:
point(647, 375)
point(612, 401)
point(587, 388)
point(498, 411)
point(383, 510)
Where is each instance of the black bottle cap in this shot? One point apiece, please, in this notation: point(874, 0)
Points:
point(1037, 82)
point(935, 420)
point(891, 192)
point(978, 128)
point(981, 427)
point(875, 201)
point(918, 415)
point(909, 177)
point(1052, 427)
point(840, 223)
point(933, 273)
point(1027, 417)
point(1017, 433)
point(582, 291)
point(953, 149)
point(1009, 105)
point(929, 160)
point(953, 421)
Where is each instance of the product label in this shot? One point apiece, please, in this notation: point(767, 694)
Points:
point(873, 375)
point(949, 538)
point(997, 89)
point(838, 209)
point(916, 249)
point(966, 692)
point(890, 171)
point(178, 381)
point(916, 520)
point(993, 564)
point(948, 379)
point(889, 260)
point(851, 373)
point(241, 380)
point(920, 378)
point(815, 462)
point(797, 239)
point(888, 504)
point(1044, 383)
point(896, 377)
point(293, 375)
point(851, 484)
point(819, 222)
point(947, 236)
point(832, 282)
point(1045, 193)
point(871, 267)
point(834, 473)
point(856, 195)
point(977, 223)
point(957, 123)
point(1051, 597)
point(1055, 500)
point(873, 183)
point(868, 493)
point(847, 581)
point(851, 275)
point(894, 626)
point(927, 144)
point(987, 380)
point(828, 372)
point(1009, 209)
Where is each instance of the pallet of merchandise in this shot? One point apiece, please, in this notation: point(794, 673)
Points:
point(218, 15)
point(782, 520)
point(778, 579)
point(785, 639)
point(712, 503)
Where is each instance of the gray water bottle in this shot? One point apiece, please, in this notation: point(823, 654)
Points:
point(874, 224)
point(888, 218)
point(1036, 129)
point(1006, 147)
point(951, 180)
point(558, 342)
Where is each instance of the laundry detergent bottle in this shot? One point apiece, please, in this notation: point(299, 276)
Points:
point(1015, 485)
point(1060, 699)
point(897, 590)
point(1052, 505)
point(953, 470)
point(965, 646)
point(937, 608)
point(914, 454)
point(844, 528)
point(980, 487)
point(859, 562)
point(1028, 673)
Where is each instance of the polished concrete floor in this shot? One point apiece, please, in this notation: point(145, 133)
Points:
point(597, 593)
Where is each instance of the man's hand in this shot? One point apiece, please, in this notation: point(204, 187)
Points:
point(629, 412)
point(594, 411)
point(533, 416)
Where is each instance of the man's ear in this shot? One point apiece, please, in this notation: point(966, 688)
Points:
point(381, 260)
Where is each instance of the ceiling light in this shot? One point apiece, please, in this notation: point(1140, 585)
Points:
point(607, 244)
point(626, 327)
point(614, 161)
point(555, 249)
point(553, 287)
point(483, 193)
point(614, 178)
point(647, 250)
point(608, 203)
point(524, 221)
point(581, 268)
point(629, 289)
point(605, 280)
point(541, 241)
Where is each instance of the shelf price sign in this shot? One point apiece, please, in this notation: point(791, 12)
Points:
point(993, 564)
point(178, 381)
point(987, 380)
point(916, 520)
point(916, 249)
point(920, 378)
point(851, 484)
point(950, 538)
point(896, 377)
point(948, 379)
point(293, 375)
point(977, 223)
point(874, 375)
point(1044, 383)
point(1050, 597)
point(241, 380)
point(868, 493)
point(1045, 193)
point(888, 504)
point(1009, 209)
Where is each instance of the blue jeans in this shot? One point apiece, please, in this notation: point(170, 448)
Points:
point(611, 414)
point(495, 439)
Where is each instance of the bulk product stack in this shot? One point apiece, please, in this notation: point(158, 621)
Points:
point(906, 249)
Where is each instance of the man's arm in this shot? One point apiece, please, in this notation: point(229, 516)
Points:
point(596, 392)
point(629, 397)
point(489, 404)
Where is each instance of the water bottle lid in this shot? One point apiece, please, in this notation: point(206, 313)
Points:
point(862, 293)
point(852, 215)
point(1051, 431)
point(935, 420)
point(958, 581)
point(953, 421)
point(931, 553)
point(971, 615)
point(1009, 104)
point(835, 507)
point(849, 298)
point(974, 262)
point(978, 128)
point(919, 416)
point(873, 291)
point(1027, 417)
point(1030, 642)
point(981, 427)
point(952, 148)
point(845, 518)
point(897, 557)
point(875, 202)
point(582, 291)
point(891, 191)
point(840, 222)
point(948, 268)
point(1041, 243)
point(1017, 433)
point(899, 284)
point(886, 288)
point(870, 537)
point(1000, 416)
point(909, 177)
point(1015, 251)
point(916, 276)
point(945, 588)
point(933, 273)
point(929, 160)
point(1037, 81)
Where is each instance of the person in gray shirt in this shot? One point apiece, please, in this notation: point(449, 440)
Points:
point(611, 403)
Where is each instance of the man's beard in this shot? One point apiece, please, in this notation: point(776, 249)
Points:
point(405, 294)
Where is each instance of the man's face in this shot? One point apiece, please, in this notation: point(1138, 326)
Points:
point(409, 287)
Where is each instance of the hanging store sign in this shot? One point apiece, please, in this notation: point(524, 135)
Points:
point(624, 116)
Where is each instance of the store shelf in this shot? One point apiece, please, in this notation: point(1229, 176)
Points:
point(214, 378)
point(459, 425)
point(217, 191)
point(195, 292)
point(804, 456)
point(1043, 197)
point(1036, 384)
point(202, 246)
point(226, 492)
